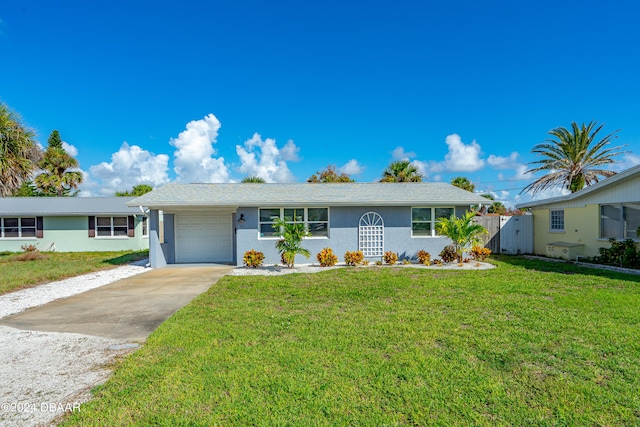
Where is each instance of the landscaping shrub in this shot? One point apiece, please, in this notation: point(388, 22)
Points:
point(354, 258)
point(253, 258)
point(29, 248)
point(30, 256)
point(327, 258)
point(424, 257)
point(290, 244)
point(390, 257)
point(480, 253)
point(621, 253)
point(448, 254)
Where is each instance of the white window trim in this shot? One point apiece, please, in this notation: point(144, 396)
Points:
point(20, 227)
point(112, 236)
point(433, 220)
point(305, 221)
point(142, 227)
point(556, 230)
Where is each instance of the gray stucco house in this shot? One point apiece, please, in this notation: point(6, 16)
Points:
point(218, 223)
point(72, 224)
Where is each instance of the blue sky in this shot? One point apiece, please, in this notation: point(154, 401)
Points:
point(148, 92)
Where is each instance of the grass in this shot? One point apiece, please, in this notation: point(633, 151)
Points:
point(23, 270)
point(529, 343)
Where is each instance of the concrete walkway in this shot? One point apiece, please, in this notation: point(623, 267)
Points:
point(129, 309)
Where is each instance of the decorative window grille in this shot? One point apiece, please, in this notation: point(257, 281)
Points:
point(371, 235)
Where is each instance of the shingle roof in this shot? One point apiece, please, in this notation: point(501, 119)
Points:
point(66, 206)
point(343, 194)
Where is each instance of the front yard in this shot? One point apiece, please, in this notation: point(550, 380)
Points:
point(528, 343)
point(18, 271)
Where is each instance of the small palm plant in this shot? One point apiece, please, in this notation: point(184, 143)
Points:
point(463, 232)
point(290, 244)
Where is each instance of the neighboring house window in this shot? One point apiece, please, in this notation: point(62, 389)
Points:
point(620, 221)
point(423, 220)
point(145, 226)
point(111, 226)
point(18, 227)
point(557, 220)
point(315, 220)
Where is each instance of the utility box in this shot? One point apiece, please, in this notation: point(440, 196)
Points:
point(565, 250)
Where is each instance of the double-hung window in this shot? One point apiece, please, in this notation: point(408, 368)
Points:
point(315, 220)
point(556, 220)
point(424, 219)
point(17, 227)
point(111, 226)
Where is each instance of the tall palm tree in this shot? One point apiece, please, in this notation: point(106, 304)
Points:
point(57, 177)
point(573, 158)
point(401, 171)
point(19, 153)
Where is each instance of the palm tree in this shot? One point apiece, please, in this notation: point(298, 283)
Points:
point(19, 153)
point(56, 178)
point(401, 171)
point(573, 158)
point(290, 244)
point(253, 179)
point(464, 183)
point(463, 232)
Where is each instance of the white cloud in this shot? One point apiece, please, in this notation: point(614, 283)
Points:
point(399, 154)
point(129, 166)
point(289, 152)
point(628, 160)
point(194, 150)
point(352, 167)
point(461, 157)
point(263, 159)
point(423, 167)
point(70, 149)
point(499, 162)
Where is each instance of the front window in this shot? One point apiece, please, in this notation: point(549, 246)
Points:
point(111, 226)
point(17, 227)
point(424, 219)
point(557, 220)
point(145, 226)
point(315, 220)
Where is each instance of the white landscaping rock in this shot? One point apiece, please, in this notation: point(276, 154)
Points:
point(45, 374)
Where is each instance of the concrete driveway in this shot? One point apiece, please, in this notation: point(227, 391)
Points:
point(129, 309)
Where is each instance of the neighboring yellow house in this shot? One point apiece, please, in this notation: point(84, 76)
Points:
point(578, 224)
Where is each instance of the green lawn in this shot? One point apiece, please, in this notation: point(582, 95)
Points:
point(16, 274)
point(529, 343)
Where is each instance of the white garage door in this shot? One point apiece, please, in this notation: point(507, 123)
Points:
point(204, 237)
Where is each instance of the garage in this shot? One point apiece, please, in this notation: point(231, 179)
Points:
point(204, 237)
